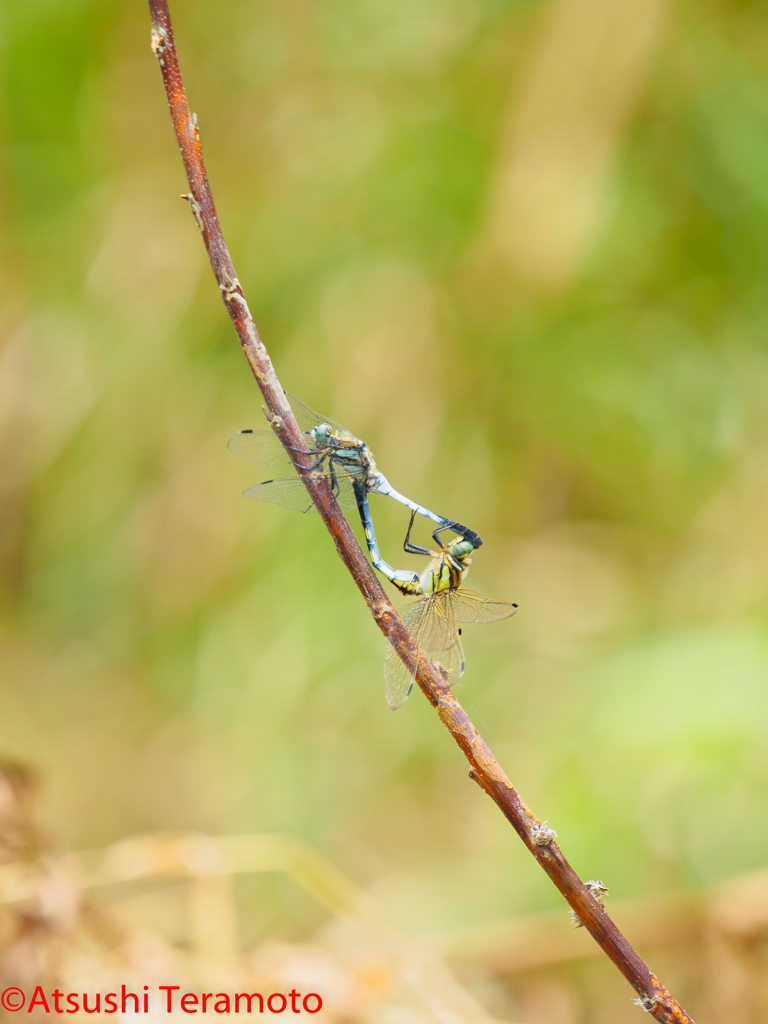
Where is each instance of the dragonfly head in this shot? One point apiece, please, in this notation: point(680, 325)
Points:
point(321, 434)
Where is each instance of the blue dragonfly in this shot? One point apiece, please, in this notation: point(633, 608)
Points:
point(346, 462)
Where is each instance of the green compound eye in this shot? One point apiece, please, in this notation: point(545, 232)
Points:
point(463, 548)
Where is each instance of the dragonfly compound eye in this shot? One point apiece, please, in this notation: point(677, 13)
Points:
point(463, 548)
point(321, 434)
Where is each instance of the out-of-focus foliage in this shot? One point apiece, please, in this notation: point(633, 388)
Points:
point(523, 254)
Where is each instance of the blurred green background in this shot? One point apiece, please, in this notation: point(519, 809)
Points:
point(520, 248)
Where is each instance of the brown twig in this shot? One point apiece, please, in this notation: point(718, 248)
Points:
point(485, 770)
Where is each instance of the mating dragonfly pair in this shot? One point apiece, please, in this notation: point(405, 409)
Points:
point(350, 470)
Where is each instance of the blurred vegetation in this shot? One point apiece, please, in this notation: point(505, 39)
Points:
point(520, 251)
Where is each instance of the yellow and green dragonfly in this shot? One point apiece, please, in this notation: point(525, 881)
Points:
point(443, 604)
point(346, 462)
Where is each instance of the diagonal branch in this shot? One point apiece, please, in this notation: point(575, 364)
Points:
point(485, 770)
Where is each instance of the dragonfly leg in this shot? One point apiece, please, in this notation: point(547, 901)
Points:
point(441, 529)
point(414, 549)
point(317, 462)
point(333, 477)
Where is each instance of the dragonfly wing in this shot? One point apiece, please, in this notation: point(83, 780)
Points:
point(264, 448)
point(432, 625)
point(440, 636)
point(398, 678)
point(291, 493)
point(451, 661)
point(344, 492)
point(469, 606)
point(308, 419)
point(439, 629)
point(260, 448)
point(433, 622)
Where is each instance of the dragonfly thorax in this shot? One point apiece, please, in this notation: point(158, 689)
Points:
point(347, 452)
point(445, 572)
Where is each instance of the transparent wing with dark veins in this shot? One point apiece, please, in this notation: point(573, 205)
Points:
point(432, 625)
point(292, 494)
point(439, 629)
point(260, 448)
point(398, 678)
point(308, 419)
point(433, 622)
point(451, 662)
point(469, 606)
point(264, 448)
point(440, 639)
